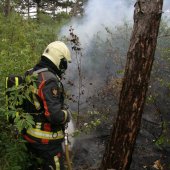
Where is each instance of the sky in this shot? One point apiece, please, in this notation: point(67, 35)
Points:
point(167, 7)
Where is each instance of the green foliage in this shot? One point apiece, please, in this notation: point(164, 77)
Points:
point(62, 17)
point(23, 41)
point(89, 122)
point(13, 152)
point(163, 141)
point(94, 122)
point(16, 99)
point(12, 146)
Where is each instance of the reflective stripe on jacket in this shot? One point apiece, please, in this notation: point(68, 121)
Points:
point(45, 135)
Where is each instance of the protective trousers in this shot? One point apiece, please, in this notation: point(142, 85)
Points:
point(51, 155)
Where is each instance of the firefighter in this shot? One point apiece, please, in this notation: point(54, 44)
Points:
point(46, 136)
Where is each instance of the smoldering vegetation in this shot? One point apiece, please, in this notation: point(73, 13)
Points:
point(94, 82)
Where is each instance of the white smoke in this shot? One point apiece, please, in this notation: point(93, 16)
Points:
point(98, 15)
point(104, 13)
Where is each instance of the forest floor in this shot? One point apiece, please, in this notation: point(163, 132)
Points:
point(88, 150)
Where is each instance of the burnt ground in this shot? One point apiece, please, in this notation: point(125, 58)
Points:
point(88, 149)
point(88, 153)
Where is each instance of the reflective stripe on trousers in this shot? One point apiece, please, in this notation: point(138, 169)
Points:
point(57, 163)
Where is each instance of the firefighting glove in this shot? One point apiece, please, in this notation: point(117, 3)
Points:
point(67, 116)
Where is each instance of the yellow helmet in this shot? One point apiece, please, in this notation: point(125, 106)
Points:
point(57, 51)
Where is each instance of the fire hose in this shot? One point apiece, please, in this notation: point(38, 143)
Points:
point(69, 166)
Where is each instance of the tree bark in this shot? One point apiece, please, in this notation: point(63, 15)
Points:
point(140, 56)
point(7, 7)
point(38, 8)
point(28, 9)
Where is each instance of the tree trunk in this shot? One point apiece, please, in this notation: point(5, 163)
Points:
point(38, 8)
point(28, 8)
point(140, 56)
point(7, 7)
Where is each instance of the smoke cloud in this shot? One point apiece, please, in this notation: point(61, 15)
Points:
point(108, 13)
point(98, 15)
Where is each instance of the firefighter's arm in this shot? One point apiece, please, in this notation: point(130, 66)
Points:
point(50, 95)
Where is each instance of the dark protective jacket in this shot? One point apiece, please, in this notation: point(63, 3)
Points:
point(48, 108)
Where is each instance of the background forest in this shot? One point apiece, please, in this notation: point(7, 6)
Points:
point(93, 81)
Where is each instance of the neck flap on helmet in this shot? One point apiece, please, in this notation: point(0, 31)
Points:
point(46, 63)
